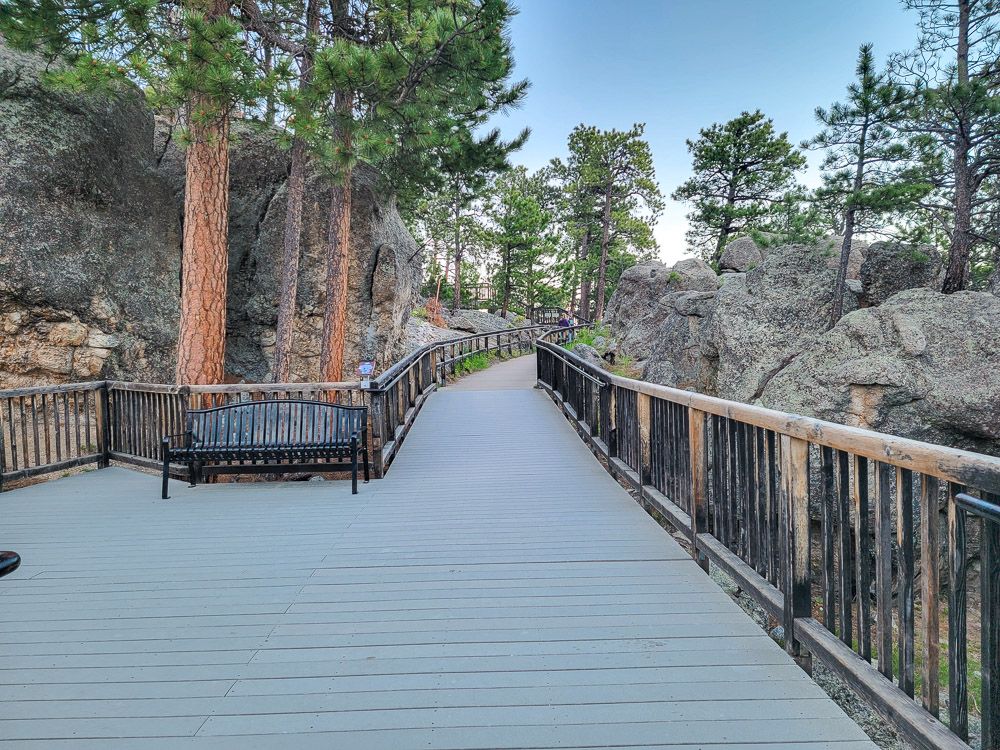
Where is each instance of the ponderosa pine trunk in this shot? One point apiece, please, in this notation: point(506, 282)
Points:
point(456, 301)
point(201, 340)
point(506, 284)
point(337, 272)
point(338, 236)
point(957, 276)
point(291, 241)
point(602, 270)
point(727, 226)
point(584, 305)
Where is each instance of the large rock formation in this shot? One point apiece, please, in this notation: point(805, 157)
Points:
point(646, 297)
point(89, 235)
point(762, 319)
point(918, 363)
point(90, 212)
point(923, 364)
point(891, 267)
point(385, 261)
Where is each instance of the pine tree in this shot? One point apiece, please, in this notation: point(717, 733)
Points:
point(865, 161)
point(618, 167)
point(955, 117)
point(466, 164)
point(303, 104)
point(518, 232)
point(403, 75)
point(742, 173)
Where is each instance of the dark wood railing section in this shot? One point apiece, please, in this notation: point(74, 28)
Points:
point(835, 531)
point(53, 428)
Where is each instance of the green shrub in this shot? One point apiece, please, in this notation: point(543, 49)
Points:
point(473, 363)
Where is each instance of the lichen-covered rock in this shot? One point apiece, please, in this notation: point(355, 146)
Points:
point(645, 297)
point(590, 355)
point(891, 267)
point(923, 364)
point(420, 333)
point(766, 317)
point(741, 255)
point(477, 321)
point(89, 266)
point(678, 357)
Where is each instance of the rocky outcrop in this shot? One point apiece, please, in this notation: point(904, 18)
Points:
point(741, 255)
point(89, 266)
point(90, 211)
point(923, 364)
point(475, 321)
point(919, 363)
point(647, 295)
point(764, 318)
point(891, 267)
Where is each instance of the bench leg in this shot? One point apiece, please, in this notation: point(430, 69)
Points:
point(364, 452)
point(354, 466)
point(166, 469)
point(192, 473)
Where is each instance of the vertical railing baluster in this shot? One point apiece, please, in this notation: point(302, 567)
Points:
point(930, 587)
point(904, 539)
point(958, 697)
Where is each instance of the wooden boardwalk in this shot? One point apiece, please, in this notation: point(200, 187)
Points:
point(497, 590)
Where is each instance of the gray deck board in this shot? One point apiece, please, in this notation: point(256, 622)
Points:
point(497, 590)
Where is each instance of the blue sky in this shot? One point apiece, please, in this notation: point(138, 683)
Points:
point(680, 65)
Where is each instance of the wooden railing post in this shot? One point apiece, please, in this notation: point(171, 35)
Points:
point(697, 421)
point(102, 404)
point(642, 406)
point(376, 406)
point(611, 438)
point(795, 547)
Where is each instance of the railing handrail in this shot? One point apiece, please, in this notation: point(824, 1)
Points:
point(38, 390)
point(388, 376)
point(953, 464)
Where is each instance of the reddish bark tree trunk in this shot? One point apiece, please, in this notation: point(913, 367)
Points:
point(337, 271)
point(288, 288)
point(456, 301)
point(201, 342)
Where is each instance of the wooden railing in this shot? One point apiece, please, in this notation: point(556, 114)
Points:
point(550, 315)
point(834, 531)
point(53, 428)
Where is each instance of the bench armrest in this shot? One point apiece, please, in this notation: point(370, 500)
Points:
point(181, 439)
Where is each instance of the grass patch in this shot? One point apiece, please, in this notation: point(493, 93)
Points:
point(588, 336)
point(473, 363)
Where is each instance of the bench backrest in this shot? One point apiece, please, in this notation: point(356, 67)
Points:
point(264, 424)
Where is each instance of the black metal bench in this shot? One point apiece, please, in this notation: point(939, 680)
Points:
point(264, 437)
